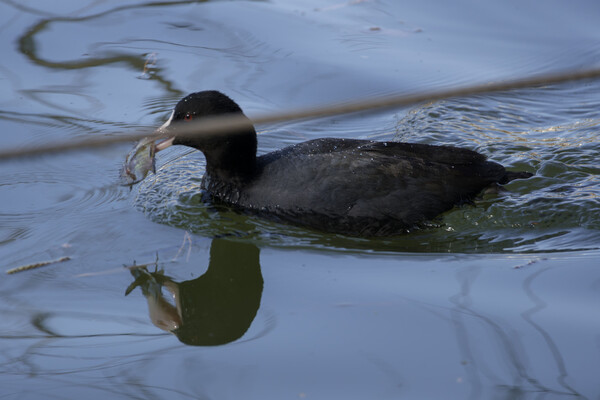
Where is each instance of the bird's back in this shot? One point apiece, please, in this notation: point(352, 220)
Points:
point(363, 187)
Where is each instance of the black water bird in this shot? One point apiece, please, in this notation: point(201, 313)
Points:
point(347, 186)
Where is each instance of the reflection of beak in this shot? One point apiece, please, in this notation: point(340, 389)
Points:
point(163, 128)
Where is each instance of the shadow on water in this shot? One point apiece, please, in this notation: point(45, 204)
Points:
point(502, 328)
point(220, 306)
point(214, 309)
point(561, 214)
point(136, 61)
point(28, 47)
point(477, 365)
point(511, 220)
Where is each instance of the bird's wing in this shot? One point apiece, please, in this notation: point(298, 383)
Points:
point(356, 179)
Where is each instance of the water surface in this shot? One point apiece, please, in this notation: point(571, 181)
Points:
point(498, 299)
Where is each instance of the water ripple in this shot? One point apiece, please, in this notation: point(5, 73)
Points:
point(52, 188)
point(556, 210)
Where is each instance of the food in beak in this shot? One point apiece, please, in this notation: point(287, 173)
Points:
point(139, 162)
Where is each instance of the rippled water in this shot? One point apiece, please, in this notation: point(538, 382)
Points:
point(496, 299)
point(557, 210)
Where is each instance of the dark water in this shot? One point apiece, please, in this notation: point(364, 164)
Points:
point(499, 299)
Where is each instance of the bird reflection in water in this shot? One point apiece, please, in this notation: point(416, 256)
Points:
point(216, 308)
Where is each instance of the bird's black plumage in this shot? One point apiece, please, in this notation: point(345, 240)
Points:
point(349, 186)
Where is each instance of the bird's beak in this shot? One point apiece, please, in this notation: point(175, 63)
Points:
point(169, 141)
point(164, 144)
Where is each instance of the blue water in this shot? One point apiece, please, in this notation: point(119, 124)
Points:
point(498, 299)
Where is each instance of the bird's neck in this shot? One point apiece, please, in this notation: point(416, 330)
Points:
point(234, 160)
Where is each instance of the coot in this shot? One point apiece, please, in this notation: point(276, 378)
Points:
point(349, 186)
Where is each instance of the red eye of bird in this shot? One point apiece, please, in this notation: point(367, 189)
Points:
point(188, 117)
